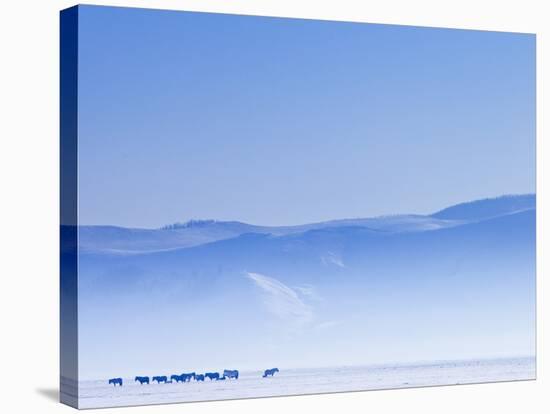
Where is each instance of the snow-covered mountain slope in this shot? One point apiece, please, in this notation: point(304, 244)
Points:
point(337, 294)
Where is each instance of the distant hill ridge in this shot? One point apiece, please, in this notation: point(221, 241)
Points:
point(487, 208)
point(197, 232)
point(476, 209)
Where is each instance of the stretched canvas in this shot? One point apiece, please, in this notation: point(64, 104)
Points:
point(256, 206)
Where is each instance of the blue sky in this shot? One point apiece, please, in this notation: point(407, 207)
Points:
point(287, 121)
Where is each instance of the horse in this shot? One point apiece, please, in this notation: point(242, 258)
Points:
point(161, 378)
point(187, 377)
point(177, 378)
point(231, 373)
point(142, 380)
point(199, 377)
point(271, 372)
point(212, 375)
point(116, 381)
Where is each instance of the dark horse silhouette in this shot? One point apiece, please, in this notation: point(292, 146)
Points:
point(142, 380)
point(212, 375)
point(187, 377)
point(177, 378)
point(271, 372)
point(199, 377)
point(231, 373)
point(116, 381)
point(161, 378)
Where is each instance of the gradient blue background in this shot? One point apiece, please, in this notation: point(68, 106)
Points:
point(287, 121)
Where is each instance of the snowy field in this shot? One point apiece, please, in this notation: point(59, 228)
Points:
point(308, 381)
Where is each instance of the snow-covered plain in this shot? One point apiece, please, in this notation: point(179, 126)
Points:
point(96, 394)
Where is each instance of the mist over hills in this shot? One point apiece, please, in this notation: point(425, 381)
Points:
point(459, 283)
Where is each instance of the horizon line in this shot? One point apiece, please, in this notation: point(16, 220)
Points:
point(175, 225)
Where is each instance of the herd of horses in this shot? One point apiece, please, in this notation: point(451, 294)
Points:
point(212, 376)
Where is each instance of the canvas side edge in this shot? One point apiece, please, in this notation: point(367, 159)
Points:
point(68, 381)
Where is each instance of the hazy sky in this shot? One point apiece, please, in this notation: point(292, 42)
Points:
point(285, 121)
